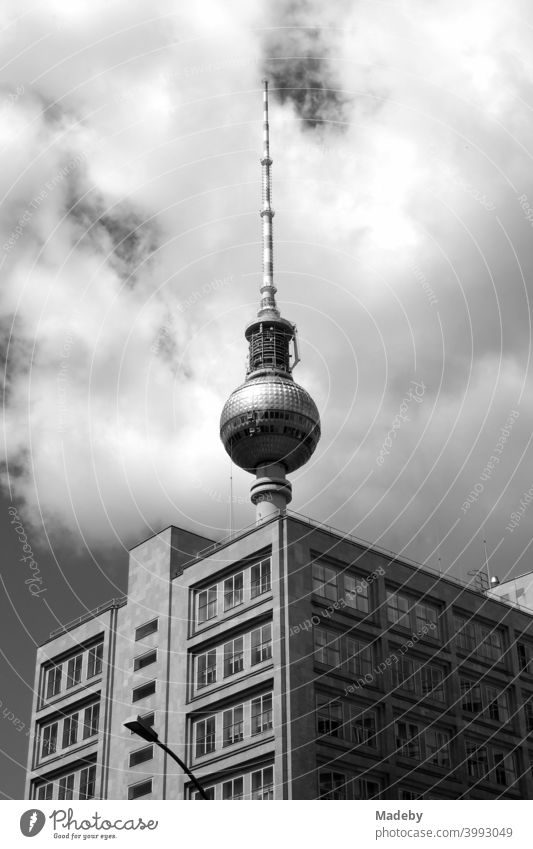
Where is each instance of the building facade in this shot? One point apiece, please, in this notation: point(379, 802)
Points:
point(290, 662)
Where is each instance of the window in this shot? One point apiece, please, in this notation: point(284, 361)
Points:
point(145, 630)
point(70, 730)
point(88, 782)
point(74, 670)
point(359, 660)
point(528, 708)
point(233, 657)
point(356, 593)
point(505, 771)
point(263, 784)
point(205, 736)
point(144, 788)
point(421, 679)
point(466, 634)
point(497, 705)
point(143, 692)
point(476, 697)
point(206, 671)
point(408, 739)
point(53, 685)
point(148, 719)
point(94, 659)
point(364, 727)
point(328, 716)
point(432, 682)
point(404, 674)
point(331, 785)
point(477, 761)
point(207, 604)
point(209, 792)
point(262, 714)
point(260, 578)
point(261, 644)
point(524, 657)
point(144, 660)
point(408, 794)
point(233, 591)
point(66, 786)
point(437, 747)
point(325, 581)
point(233, 789)
point(490, 643)
point(140, 756)
point(233, 726)
point(398, 607)
point(327, 649)
point(91, 719)
point(49, 739)
point(484, 640)
point(365, 789)
point(471, 697)
point(427, 619)
point(46, 791)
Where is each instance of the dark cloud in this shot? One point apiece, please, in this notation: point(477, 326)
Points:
point(121, 233)
point(298, 63)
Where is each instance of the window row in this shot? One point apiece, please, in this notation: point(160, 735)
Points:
point(233, 725)
point(257, 785)
point(68, 673)
point(419, 678)
point(69, 730)
point(234, 656)
point(334, 784)
point(80, 784)
point(336, 585)
point(246, 585)
point(491, 763)
point(414, 616)
point(345, 654)
point(485, 699)
point(477, 638)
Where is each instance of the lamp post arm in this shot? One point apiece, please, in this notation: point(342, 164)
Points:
point(185, 768)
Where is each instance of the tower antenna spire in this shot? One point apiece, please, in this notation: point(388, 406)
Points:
point(268, 290)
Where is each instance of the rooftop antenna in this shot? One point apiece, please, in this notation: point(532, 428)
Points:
point(486, 555)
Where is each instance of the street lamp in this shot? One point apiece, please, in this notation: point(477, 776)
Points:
point(140, 727)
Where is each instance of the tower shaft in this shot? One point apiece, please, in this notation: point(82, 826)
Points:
point(269, 424)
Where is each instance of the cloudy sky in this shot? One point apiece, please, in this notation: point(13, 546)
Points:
point(130, 136)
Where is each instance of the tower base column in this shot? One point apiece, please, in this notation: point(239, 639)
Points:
point(270, 492)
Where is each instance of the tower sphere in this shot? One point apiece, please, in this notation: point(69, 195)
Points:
point(270, 419)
